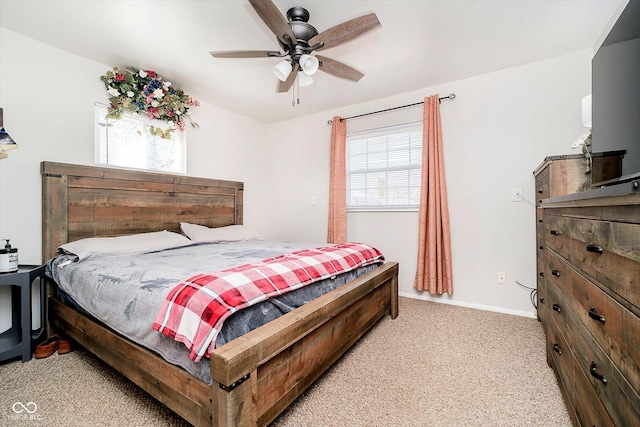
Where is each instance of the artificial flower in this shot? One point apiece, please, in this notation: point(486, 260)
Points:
point(144, 91)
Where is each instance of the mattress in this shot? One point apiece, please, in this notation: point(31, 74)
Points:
point(127, 292)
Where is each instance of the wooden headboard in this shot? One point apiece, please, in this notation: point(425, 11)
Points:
point(90, 201)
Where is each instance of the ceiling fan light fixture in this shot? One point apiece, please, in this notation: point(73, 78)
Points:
point(304, 79)
point(309, 64)
point(282, 70)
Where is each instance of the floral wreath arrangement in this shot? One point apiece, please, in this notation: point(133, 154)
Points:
point(144, 91)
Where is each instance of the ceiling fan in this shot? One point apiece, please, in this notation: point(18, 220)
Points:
point(298, 39)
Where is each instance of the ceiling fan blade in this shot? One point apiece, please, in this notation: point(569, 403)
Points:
point(284, 86)
point(275, 20)
point(346, 31)
point(339, 69)
point(245, 54)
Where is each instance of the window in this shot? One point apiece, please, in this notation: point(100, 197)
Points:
point(128, 143)
point(384, 168)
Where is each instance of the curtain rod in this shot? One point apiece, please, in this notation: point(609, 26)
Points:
point(450, 96)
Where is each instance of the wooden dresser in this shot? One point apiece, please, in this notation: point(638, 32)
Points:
point(567, 174)
point(589, 301)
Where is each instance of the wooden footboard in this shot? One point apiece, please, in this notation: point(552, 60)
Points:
point(255, 377)
point(174, 387)
point(283, 357)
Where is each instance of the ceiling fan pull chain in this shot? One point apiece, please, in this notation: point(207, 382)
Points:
point(295, 89)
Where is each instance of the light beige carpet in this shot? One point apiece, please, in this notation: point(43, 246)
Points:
point(435, 365)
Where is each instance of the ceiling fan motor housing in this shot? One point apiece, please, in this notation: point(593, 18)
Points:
point(298, 22)
point(298, 13)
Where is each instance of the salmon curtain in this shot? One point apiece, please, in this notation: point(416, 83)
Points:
point(337, 232)
point(434, 238)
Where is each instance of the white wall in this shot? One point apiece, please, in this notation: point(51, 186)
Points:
point(496, 132)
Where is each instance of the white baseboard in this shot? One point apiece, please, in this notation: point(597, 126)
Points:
point(471, 305)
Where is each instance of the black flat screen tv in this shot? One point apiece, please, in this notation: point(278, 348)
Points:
point(616, 90)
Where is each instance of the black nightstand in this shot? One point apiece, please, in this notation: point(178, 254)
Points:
point(20, 339)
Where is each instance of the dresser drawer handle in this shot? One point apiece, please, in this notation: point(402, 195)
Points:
point(541, 300)
point(541, 274)
point(596, 316)
point(539, 191)
point(541, 247)
point(557, 349)
point(594, 249)
point(594, 373)
point(556, 307)
point(555, 272)
point(539, 220)
point(555, 233)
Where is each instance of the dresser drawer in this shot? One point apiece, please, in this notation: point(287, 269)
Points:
point(620, 400)
point(607, 251)
point(542, 185)
point(560, 358)
point(557, 308)
point(539, 246)
point(587, 407)
point(615, 328)
point(582, 398)
point(540, 267)
point(539, 226)
point(542, 301)
point(539, 222)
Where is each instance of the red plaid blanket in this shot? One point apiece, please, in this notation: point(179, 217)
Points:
point(194, 310)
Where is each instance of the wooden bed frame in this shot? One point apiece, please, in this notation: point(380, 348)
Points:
point(255, 377)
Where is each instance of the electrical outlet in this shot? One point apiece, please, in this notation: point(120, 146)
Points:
point(502, 278)
point(516, 194)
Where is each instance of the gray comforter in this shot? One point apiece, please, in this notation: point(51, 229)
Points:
point(127, 292)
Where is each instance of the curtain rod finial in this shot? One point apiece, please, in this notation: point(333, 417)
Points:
point(450, 96)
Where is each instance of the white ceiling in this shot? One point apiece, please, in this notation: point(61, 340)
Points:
point(420, 43)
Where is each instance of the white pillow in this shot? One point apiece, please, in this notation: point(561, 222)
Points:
point(231, 233)
point(124, 245)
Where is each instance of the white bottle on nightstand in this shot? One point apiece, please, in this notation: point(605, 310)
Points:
point(8, 258)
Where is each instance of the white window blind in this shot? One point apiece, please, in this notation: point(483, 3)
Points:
point(384, 168)
point(128, 143)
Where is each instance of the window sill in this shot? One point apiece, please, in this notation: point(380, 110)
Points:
point(383, 209)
